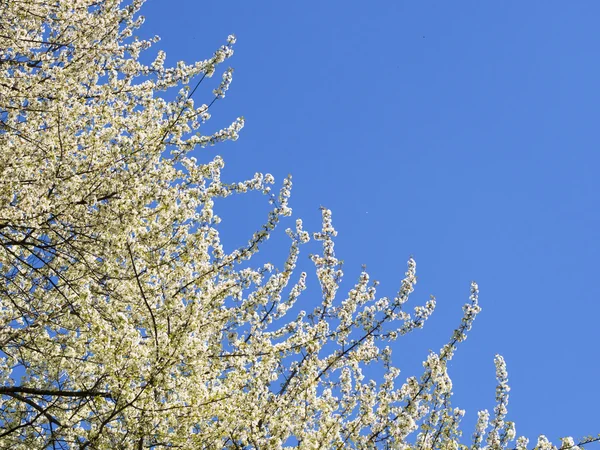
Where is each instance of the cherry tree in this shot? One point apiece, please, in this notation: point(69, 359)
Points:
point(125, 324)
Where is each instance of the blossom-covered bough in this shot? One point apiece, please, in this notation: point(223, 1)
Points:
point(124, 323)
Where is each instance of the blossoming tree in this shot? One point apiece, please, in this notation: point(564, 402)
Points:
point(124, 323)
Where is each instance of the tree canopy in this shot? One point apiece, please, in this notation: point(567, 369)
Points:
point(125, 324)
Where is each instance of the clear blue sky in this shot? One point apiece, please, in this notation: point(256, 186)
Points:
point(459, 132)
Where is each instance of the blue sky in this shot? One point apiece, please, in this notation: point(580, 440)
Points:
point(458, 132)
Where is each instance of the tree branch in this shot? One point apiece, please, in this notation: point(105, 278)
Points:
point(8, 390)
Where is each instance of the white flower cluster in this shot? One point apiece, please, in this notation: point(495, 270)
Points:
point(494, 437)
point(224, 86)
